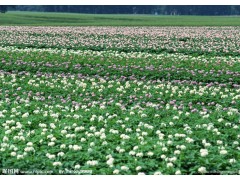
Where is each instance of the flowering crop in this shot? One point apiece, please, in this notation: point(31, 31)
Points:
point(86, 102)
point(190, 40)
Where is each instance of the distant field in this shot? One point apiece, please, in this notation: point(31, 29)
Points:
point(70, 19)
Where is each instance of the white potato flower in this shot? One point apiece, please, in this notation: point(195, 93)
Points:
point(52, 126)
point(157, 173)
point(163, 156)
point(25, 115)
point(232, 161)
point(61, 154)
point(51, 143)
point(169, 164)
point(178, 172)
point(13, 153)
point(124, 168)
point(189, 140)
point(202, 170)
point(140, 154)
point(223, 152)
point(57, 164)
point(5, 138)
point(76, 147)
point(29, 144)
point(92, 163)
point(204, 152)
point(138, 168)
point(19, 156)
point(77, 166)
point(150, 153)
point(177, 152)
point(116, 171)
point(110, 161)
point(63, 146)
point(28, 149)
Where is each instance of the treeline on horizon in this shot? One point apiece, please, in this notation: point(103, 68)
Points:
point(131, 9)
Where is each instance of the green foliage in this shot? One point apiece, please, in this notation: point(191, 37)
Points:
point(117, 112)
